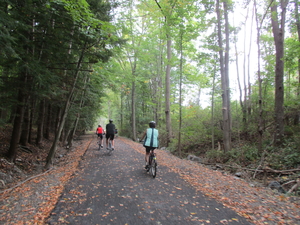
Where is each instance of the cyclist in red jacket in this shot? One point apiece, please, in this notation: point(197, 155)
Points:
point(99, 132)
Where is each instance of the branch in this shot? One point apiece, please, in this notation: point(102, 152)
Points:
point(30, 178)
point(295, 186)
point(271, 2)
point(74, 63)
point(68, 69)
point(268, 169)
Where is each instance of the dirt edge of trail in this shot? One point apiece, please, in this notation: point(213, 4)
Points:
point(32, 201)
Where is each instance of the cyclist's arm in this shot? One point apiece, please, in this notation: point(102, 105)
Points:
point(144, 134)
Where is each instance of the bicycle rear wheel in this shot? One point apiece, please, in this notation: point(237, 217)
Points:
point(153, 168)
point(109, 148)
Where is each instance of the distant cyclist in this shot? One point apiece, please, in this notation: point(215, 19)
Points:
point(151, 141)
point(110, 133)
point(100, 132)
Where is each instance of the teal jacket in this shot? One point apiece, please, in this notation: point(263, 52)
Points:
point(151, 139)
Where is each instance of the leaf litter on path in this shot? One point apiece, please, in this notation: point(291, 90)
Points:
point(33, 201)
point(259, 205)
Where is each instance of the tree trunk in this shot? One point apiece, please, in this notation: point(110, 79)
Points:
point(48, 122)
point(296, 118)
point(72, 133)
point(25, 126)
point(227, 121)
point(122, 111)
point(243, 106)
point(249, 107)
point(15, 137)
point(213, 110)
point(31, 121)
point(52, 151)
point(40, 123)
point(133, 119)
point(180, 96)
point(168, 71)
point(260, 100)
point(278, 33)
point(224, 78)
point(167, 93)
point(245, 103)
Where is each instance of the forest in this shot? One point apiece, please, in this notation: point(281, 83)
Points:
point(220, 78)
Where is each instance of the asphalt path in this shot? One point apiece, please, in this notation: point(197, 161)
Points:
point(116, 189)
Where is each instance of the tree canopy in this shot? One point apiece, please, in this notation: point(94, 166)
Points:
point(220, 78)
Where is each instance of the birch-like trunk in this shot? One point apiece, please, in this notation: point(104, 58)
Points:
point(167, 93)
point(224, 63)
point(260, 100)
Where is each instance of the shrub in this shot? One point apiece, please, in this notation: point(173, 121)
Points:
point(216, 156)
point(286, 157)
point(243, 155)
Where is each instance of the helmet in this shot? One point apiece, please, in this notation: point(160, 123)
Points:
point(110, 120)
point(152, 124)
point(99, 125)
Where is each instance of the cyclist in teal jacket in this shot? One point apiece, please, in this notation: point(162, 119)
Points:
point(151, 140)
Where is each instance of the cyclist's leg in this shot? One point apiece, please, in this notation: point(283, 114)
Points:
point(107, 137)
point(98, 138)
point(147, 155)
point(101, 140)
point(112, 137)
point(151, 155)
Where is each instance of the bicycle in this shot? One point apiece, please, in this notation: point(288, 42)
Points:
point(152, 166)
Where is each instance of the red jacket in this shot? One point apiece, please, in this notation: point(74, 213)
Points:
point(99, 130)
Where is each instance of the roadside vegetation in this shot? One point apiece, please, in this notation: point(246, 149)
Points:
point(221, 80)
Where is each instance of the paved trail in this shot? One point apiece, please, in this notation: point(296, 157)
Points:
point(117, 190)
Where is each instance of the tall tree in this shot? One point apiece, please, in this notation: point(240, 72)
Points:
point(260, 98)
point(167, 13)
point(278, 25)
point(297, 116)
point(224, 70)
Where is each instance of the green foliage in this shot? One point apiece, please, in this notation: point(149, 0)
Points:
point(48, 50)
point(286, 157)
point(243, 155)
point(292, 54)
